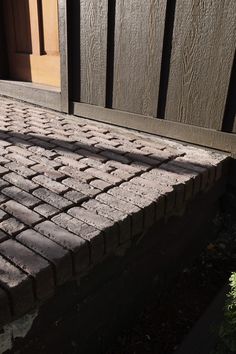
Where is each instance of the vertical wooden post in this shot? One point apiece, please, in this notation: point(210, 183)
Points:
point(35, 10)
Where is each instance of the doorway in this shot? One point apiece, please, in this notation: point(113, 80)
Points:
point(32, 41)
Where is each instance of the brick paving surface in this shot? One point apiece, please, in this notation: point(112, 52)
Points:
point(72, 191)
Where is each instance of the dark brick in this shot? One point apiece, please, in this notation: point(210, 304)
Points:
point(21, 196)
point(20, 182)
point(18, 285)
point(50, 250)
point(20, 159)
point(32, 264)
point(87, 232)
point(20, 170)
point(104, 176)
point(81, 187)
point(12, 226)
point(52, 198)
point(123, 219)
point(46, 210)
point(22, 213)
point(72, 172)
point(135, 212)
point(76, 244)
point(48, 183)
point(5, 311)
point(101, 223)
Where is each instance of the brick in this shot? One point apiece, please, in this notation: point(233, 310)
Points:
point(20, 182)
point(4, 143)
point(72, 172)
point(3, 160)
point(20, 212)
point(20, 159)
point(46, 210)
point(201, 173)
point(71, 162)
point(124, 175)
point(21, 196)
point(69, 241)
point(3, 236)
point(20, 170)
point(3, 215)
point(135, 212)
point(18, 285)
point(52, 198)
point(123, 219)
point(32, 264)
point(91, 152)
point(99, 184)
point(38, 150)
point(3, 198)
point(3, 183)
point(91, 162)
point(20, 142)
point(152, 195)
point(44, 161)
point(11, 226)
point(76, 197)
point(101, 223)
point(165, 190)
point(94, 236)
point(49, 172)
point(183, 191)
point(67, 153)
point(53, 186)
point(54, 253)
point(81, 187)
point(3, 170)
point(104, 176)
point(18, 150)
point(5, 311)
point(123, 167)
point(147, 205)
point(172, 171)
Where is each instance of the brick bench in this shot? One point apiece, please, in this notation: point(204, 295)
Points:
point(75, 194)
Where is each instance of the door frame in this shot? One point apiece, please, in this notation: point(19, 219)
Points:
point(42, 95)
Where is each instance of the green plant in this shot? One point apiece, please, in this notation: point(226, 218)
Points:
point(227, 331)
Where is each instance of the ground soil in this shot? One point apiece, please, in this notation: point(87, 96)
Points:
point(162, 326)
